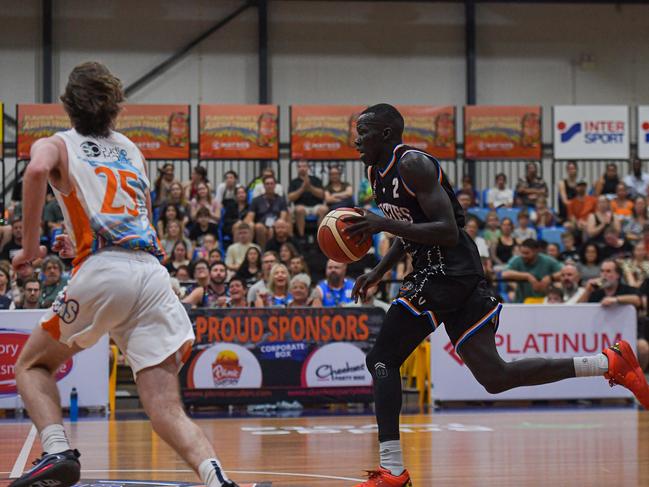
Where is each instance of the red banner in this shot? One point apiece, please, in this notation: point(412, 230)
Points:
point(35, 121)
point(430, 129)
point(239, 131)
point(321, 132)
point(160, 131)
point(499, 132)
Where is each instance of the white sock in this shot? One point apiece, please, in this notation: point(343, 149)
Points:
point(590, 366)
point(212, 473)
point(391, 456)
point(53, 439)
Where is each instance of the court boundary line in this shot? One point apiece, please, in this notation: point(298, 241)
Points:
point(19, 465)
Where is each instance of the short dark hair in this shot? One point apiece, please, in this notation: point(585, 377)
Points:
point(238, 279)
point(268, 176)
point(387, 115)
point(31, 279)
point(92, 99)
point(236, 176)
point(221, 263)
point(618, 267)
point(201, 261)
point(202, 211)
point(202, 170)
point(530, 243)
point(501, 175)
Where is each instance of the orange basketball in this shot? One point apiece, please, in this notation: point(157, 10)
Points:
point(335, 243)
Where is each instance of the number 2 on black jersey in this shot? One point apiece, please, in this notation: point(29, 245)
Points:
point(395, 189)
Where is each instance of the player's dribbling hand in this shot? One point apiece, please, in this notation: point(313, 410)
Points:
point(363, 284)
point(63, 246)
point(25, 257)
point(366, 223)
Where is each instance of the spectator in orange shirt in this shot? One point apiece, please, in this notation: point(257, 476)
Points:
point(580, 207)
point(621, 205)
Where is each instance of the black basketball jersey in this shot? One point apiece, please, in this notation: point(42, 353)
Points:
point(398, 201)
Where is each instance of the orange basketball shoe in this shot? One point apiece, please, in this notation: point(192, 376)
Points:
point(624, 369)
point(383, 478)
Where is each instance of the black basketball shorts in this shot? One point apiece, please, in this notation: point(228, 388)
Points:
point(463, 303)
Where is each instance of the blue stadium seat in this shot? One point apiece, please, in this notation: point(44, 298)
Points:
point(483, 195)
point(552, 235)
point(508, 213)
point(478, 212)
point(223, 238)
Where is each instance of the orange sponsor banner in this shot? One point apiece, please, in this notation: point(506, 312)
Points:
point(35, 121)
point(238, 132)
point(159, 131)
point(502, 132)
point(430, 129)
point(324, 132)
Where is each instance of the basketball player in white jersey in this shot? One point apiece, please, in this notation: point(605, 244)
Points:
point(118, 286)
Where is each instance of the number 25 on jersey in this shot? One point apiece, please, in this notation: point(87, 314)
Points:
point(112, 183)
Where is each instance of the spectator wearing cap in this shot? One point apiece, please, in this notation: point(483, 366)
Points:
point(500, 196)
point(265, 210)
point(54, 280)
point(532, 186)
point(580, 207)
point(637, 181)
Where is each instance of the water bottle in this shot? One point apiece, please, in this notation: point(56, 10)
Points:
point(74, 404)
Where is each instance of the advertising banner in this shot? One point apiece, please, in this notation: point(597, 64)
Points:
point(35, 121)
point(263, 355)
point(238, 131)
point(643, 132)
point(591, 132)
point(320, 132)
point(87, 370)
point(550, 331)
point(430, 129)
point(159, 131)
point(502, 132)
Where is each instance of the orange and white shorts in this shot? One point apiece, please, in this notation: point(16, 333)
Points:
point(128, 295)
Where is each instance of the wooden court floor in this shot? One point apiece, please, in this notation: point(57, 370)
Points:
point(591, 447)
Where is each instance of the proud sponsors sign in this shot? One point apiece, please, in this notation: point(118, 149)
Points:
point(87, 371)
point(549, 331)
point(591, 132)
point(263, 355)
point(643, 132)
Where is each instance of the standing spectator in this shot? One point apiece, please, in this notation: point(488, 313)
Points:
point(632, 228)
point(542, 216)
point(236, 252)
point(601, 218)
point(523, 231)
point(11, 239)
point(225, 191)
point(268, 260)
point(580, 207)
point(620, 205)
point(567, 189)
point(589, 265)
point(614, 246)
point(338, 193)
point(533, 271)
point(281, 236)
point(199, 175)
point(570, 252)
point(607, 184)
point(179, 257)
point(250, 268)
point(277, 293)
point(163, 183)
point(467, 187)
point(265, 210)
point(336, 288)
point(492, 231)
point(257, 187)
point(202, 226)
point(570, 288)
point(307, 194)
point(31, 294)
point(299, 288)
point(172, 235)
point(503, 249)
point(471, 228)
point(635, 269)
point(637, 181)
point(500, 196)
point(238, 291)
point(54, 281)
point(532, 186)
point(203, 199)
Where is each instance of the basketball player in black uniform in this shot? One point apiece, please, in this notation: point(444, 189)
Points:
point(446, 285)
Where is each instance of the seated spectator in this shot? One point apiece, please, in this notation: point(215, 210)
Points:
point(203, 199)
point(465, 203)
point(523, 231)
point(338, 193)
point(567, 189)
point(281, 236)
point(607, 184)
point(225, 191)
point(265, 210)
point(172, 235)
point(179, 257)
point(286, 252)
point(471, 228)
point(468, 189)
point(532, 186)
point(202, 226)
point(637, 181)
point(541, 215)
point(621, 205)
point(6, 296)
point(238, 250)
point(268, 260)
point(632, 228)
point(198, 296)
point(199, 175)
point(257, 186)
point(277, 293)
point(533, 271)
point(600, 219)
point(163, 183)
point(215, 256)
point(183, 274)
point(31, 294)
point(553, 251)
point(588, 265)
point(307, 195)
point(336, 288)
point(235, 215)
point(580, 207)
point(554, 296)
point(570, 288)
point(500, 196)
point(492, 231)
point(176, 197)
point(238, 291)
point(298, 265)
point(52, 214)
point(210, 243)
point(502, 250)
point(211, 290)
point(250, 268)
point(54, 281)
point(11, 239)
point(299, 287)
point(614, 246)
point(570, 252)
point(169, 213)
point(635, 269)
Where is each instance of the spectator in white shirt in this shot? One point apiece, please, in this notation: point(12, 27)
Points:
point(500, 196)
point(637, 181)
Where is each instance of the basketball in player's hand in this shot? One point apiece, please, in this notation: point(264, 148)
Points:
point(337, 244)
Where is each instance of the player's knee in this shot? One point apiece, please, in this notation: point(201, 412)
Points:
point(494, 379)
point(378, 363)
